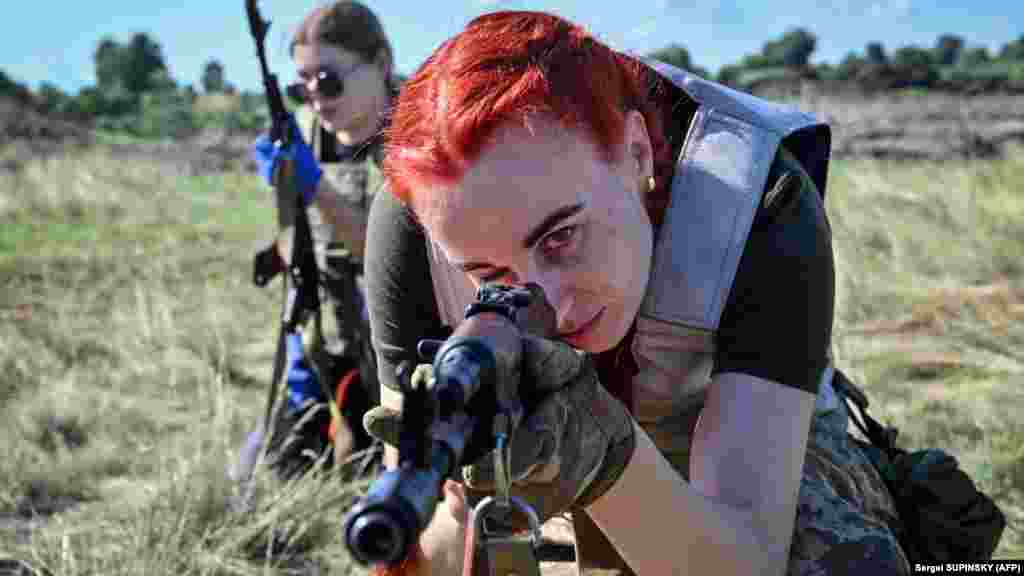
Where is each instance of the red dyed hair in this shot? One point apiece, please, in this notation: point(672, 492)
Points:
point(506, 67)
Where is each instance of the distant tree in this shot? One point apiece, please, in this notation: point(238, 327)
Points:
point(90, 103)
point(108, 62)
point(974, 57)
point(875, 54)
point(1013, 50)
point(874, 71)
point(161, 81)
point(213, 77)
point(793, 50)
point(850, 67)
point(679, 57)
point(756, 61)
point(11, 88)
point(947, 49)
point(729, 74)
point(51, 98)
point(165, 114)
point(130, 67)
point(826, 72)
point(146, 63)
point(914, 66)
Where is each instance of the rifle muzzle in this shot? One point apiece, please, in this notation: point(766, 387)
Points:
point(384, 526)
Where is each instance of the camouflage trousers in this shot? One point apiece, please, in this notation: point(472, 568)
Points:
point(844, 511)
point(843, 517)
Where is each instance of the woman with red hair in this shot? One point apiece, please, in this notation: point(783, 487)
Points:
point(678, 229)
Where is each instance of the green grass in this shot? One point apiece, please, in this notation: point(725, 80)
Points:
point(931, 310)
point(135, 351)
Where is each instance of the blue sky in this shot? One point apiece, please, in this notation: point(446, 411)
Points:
point(54, 41)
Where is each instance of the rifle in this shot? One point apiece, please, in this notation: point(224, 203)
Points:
point(301, 297)
point(471, 408)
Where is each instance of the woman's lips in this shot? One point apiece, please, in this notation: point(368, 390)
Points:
point(579, 336)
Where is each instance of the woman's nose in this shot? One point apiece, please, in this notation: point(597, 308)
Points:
point(553, 291)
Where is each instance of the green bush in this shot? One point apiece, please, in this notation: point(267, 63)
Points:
point(11, 88)
point(165, 114)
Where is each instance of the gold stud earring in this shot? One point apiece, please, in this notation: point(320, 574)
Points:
point(651, 184)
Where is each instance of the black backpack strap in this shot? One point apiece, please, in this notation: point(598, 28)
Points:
point(882, 437)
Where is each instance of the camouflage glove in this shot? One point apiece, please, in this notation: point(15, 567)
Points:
point(573, 444)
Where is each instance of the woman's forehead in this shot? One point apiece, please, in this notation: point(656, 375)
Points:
point(313, 56)
point(519, 180)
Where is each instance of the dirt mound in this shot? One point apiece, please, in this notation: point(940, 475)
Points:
point(210, 151)
point(32, 134)
point(19, 122)
point(933, 126)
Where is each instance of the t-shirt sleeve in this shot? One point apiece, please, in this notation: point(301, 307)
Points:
point(777, 322)
point(400, 294)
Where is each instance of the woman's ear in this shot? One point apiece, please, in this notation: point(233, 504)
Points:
point(639, 152)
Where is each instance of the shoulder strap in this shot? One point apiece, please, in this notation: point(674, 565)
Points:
point(882, 437)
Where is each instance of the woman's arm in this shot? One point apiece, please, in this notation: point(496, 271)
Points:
point(737, 514)
point(402, 309)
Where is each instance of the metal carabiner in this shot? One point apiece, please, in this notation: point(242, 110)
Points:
point(493, 554)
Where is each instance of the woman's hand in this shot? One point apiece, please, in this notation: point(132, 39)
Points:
point(307, 169)
point(572, 446)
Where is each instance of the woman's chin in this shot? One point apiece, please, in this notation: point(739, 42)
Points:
point(606, 334)
point(599, 336)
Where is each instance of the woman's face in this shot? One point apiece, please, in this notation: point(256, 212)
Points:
point(355, 115)
point(542, 206)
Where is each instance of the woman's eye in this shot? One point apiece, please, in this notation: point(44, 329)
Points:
point(490, 277)
point(560, 238)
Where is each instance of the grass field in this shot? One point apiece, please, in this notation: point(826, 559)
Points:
point(134, 351)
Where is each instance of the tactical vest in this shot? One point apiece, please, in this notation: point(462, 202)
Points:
point(717, 186)
point(356, 181)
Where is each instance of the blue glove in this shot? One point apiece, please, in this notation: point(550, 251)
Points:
point(307, 169)
point(302, 381)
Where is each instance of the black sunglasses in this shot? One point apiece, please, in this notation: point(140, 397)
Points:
point(329, 84)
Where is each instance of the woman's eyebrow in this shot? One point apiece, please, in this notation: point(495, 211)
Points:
point(546, 225)
point(551, 221)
